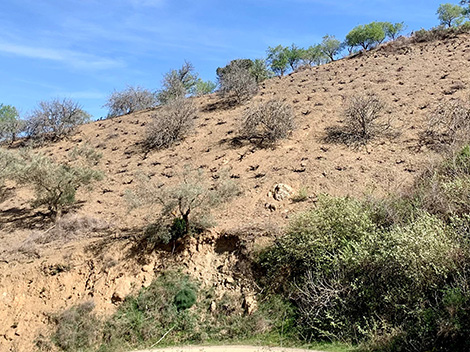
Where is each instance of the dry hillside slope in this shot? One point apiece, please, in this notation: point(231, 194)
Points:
point(93, 255)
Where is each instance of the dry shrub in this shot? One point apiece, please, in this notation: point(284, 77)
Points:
point(363, 122)
point(130, 100)
point(238, 83)
point(268, 122)
point(171, 123)
point(448, 125)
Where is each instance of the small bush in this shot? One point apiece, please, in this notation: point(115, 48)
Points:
point(55, 184)
point(178, 84)
point(186, 206)
point(130, 100)
point(363, 122)
point(171, 123)
point(204, 87)
point(448, 127)
point(238, 83)
point(268, 122)
point(8, 162)
point(77, 328)
point(55, 119)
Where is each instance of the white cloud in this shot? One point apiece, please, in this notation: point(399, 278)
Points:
point(68, 57)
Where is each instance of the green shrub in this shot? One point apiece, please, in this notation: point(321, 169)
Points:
point(204, 87)
point(55, 184)
point(10, 123)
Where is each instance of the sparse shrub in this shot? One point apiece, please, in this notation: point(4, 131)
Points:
point(77, 328)
point(178, 83)
point(268, 122)
point(260, 70)
point(132, 99)
point(238, 83)
point(363, 121)
point(55, 119)
point(448, 126)
point(185, 207)
point(170, 123)
point(10, 123)
point(301, 196)
point(55, 184)
point(8, 161)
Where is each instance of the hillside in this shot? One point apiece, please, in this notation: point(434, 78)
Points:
point(95, 254)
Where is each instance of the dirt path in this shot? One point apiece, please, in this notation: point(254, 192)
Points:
point(227, 349)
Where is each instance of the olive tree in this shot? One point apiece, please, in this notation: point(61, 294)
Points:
point(450, 14)
point(129, 100)
point(278, 59)
point(55, 119)
point(330, 47)
point(10, 123)
point(365, 36)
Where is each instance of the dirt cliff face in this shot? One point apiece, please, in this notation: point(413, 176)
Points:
point(95, 254)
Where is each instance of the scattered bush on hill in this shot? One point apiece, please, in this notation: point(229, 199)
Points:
point(8, 162)
point(55, 184)
point(132, 99)
point(185, 207)
point(448, 126)
point(260, 70)
point(450, 15)
point(363, 122)
point(313, 56)
point(178, 83)
point(278, 59)
point(268, 122)
point(170, 123)
point(237, 82)
point(55, 119)
point(365, 36)
point(10, 123)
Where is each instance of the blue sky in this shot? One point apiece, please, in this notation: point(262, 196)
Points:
point(84, 49)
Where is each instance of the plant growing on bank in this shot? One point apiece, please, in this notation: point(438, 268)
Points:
point(268, 122)
point(170, 123)
point(450, 15)
point(55, 119)
point(10, 123)
point(132, 99)
point(178, 83)
point(55, 184)
point(186, 206)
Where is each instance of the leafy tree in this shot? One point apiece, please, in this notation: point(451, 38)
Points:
point(130, 100)
point(294, 56)
point(313, 55)
point(178, 83)
point(393, 30)
point(278, 59)
point(260, 70)
point(466, 11)
point(10, 123)
point(365, 36)
point(450, 14)
point(330, 47)
point(204, 87)
point(55, 184)
point(55, 119)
